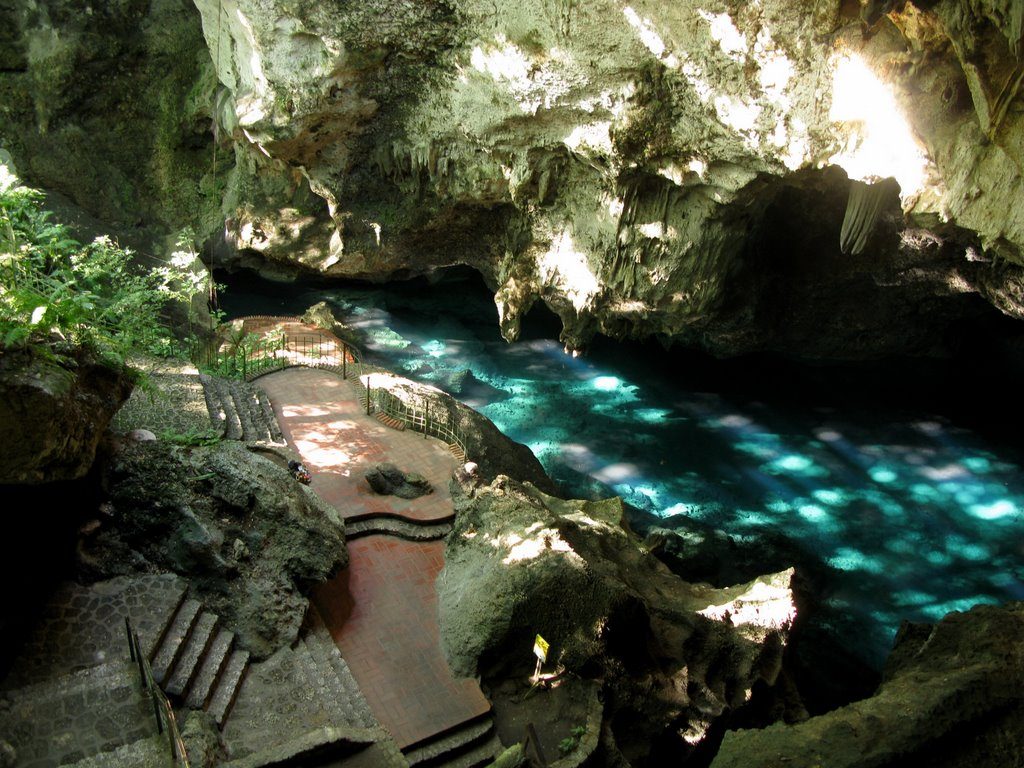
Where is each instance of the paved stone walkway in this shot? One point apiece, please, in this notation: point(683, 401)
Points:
point(381, 611)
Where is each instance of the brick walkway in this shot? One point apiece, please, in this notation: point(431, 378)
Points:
point(321, 417)
point(382, 610)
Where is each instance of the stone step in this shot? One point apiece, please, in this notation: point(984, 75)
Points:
point(479, 755)
point(174, 640)
point(213, 406)
point(394, 526)
point(276, 436)
point(457, 452)
point(450, 746)
point(243, 403)
point(191, 656)
point(227, 686)
point(83, 625)
point(330, 687)
point(210, 669)
point(151, 752)
point(390, 421)
point(322, 746)
point(330, 695)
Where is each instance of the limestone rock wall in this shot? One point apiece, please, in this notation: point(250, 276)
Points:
point(108, 103)
point(672, 658)
point(644, 169)
point(949, 699)
point(53, 413)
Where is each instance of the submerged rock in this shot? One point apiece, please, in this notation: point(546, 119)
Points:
point(950, 697)
point(673, 657)
point(54, 410)
point(249, 538)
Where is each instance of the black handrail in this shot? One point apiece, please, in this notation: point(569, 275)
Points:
point(162, 709)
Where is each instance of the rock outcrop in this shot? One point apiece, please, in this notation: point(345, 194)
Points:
point(950, 697)
point(672, 657)
point(249, 537)
point(643, 170)
point(54, 409)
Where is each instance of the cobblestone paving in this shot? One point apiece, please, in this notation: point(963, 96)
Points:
point(284, 699)
point(83, 626)
point(75, 716)
point(171, 400)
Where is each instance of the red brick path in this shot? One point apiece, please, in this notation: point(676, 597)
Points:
point(382, 611)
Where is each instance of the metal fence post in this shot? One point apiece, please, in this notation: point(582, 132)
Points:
point(344, 361)
point(367, 394)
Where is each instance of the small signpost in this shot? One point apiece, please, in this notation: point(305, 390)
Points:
point(540, 650)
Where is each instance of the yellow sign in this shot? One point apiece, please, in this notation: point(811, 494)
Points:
point(540, 648)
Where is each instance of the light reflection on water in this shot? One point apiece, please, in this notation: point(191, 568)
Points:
point(916, 517)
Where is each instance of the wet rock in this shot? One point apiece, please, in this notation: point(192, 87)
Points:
point(249, 538)
point(389, 480)
point(54, 410)
point(674, 657)
point(949, 697)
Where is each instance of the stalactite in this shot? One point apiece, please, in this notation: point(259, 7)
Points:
point(862, 209)
point(1015, 26)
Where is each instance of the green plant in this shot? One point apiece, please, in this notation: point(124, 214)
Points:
point(568, 744)
point(53, 287)
point(192, 437)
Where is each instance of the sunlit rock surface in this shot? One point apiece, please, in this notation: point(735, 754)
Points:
point(671, 655)
point(950, 698)
point(644, 169)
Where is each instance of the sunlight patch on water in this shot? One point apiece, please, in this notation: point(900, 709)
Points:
point(882, 475)
point(607, 383)
point(994, 511)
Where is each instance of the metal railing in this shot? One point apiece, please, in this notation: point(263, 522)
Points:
point(162, 709)
point(254, 356)
point(438, 423)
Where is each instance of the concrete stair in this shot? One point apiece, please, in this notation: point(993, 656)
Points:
point(240, 411)
point(73, 695)
point(196, 663)
point(470, 744)
point(410, 530)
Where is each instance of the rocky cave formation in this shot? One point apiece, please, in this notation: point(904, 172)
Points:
point(681, 172)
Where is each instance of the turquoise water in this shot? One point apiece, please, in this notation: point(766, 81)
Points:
point(913, 516)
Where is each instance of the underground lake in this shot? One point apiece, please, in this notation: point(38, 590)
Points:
point(907, 513)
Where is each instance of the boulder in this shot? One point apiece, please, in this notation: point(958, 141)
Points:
point(674, 657)
point(54, 409)
point(250, 539)
point(389, 480)
point(950, 697)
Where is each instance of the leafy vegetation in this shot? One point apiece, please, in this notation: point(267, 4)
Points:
point(192, 437)
point(54, 288)
point(570, 743)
